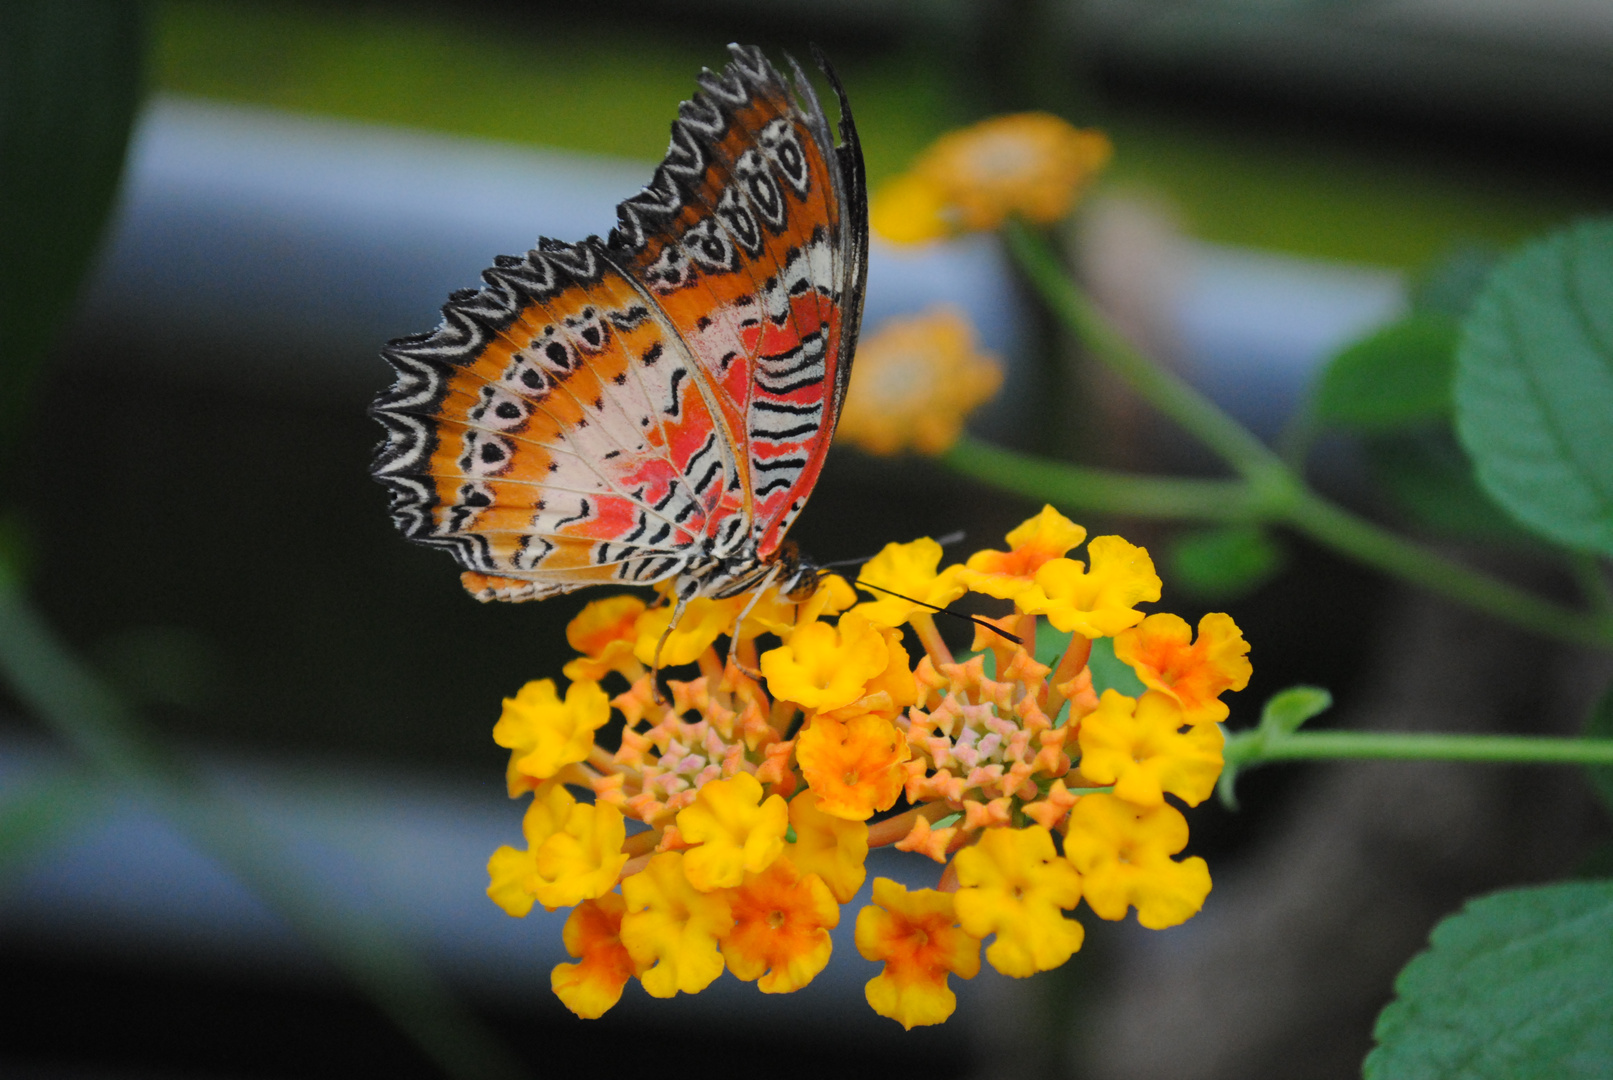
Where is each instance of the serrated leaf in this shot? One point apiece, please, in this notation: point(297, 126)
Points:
point(1599, 725)
point(1221, 563)
point(1395, 377)
point(1534, 387)
point(1286, 710)
point(1517, 986)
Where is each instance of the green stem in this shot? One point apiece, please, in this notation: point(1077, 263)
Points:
point(1272, 493)
point(1593, 582)
point(1247, 748)
point(47, 678)
point(1101, 490)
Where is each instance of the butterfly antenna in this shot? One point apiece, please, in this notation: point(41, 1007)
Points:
point(977, 620)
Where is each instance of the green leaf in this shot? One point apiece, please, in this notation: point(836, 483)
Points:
point(1395, 377)
point(1517, 986)
point(1223, 562)
point(1430, 481)
point(69, 88)
point(1109, 672)
point(1455, 279)
point(1534, 386)
point(1599, 725)
point(1286, 710)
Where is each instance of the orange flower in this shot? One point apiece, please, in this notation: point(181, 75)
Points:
point(593, 935)
point(603, 632)
point(782, 920)
point(1006, 574)
point(854, 766)
point(1162, 652)
point(917, 935)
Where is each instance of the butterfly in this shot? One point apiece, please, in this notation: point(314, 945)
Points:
point(655, 406)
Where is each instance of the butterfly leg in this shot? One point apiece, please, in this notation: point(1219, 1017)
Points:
point(655, 668)
point(733, 637)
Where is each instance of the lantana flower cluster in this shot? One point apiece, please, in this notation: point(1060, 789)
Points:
point(757, 786)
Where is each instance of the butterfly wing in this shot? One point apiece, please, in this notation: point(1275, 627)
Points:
point(591, 415)
point(754, 236)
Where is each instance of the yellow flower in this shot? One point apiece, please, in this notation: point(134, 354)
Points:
point(604, 633)
point(1162, 652)
point(914, 382)
point(511, 872)
point(1099, 602)
point(1015, 885)
point(1124, 855)
point(855, 766)
point(1134, 744)
point(782, 920)
point(703, 621)
point(912, 209)
point(1031, 164)
point(546, 734)
point(593, 935)
point(671, 929)
point(737, 831)
point(823, 666)
point(1036, 542)
point(832, 848)
point(917, 936)
point(909, 569)
point(580, 860)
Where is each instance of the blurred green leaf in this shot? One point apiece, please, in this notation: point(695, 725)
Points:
point(1394, 377)
point(1454, 280)
point(1287, 709)
point(1516, 986)
point(1109, 672)
point(1534, 386)
point(1223, 562)
point(69, 87)
point(1430, 480)
point(1599, 725)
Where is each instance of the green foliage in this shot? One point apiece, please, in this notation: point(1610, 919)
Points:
point(1534, 386)
point(69, 87)
point(1109, 672)
point(1516, 986)
point(1429, 479)
point(1224, 562)
point(1599, 725)
point(1287, 709)
point(1394, 377)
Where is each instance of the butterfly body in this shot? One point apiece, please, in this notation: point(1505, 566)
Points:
point(655, 406)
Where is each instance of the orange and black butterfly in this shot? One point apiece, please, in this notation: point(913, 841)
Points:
point(655, 406)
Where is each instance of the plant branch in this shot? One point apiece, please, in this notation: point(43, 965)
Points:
point(1245, 749)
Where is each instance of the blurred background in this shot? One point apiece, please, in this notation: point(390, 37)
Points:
point(187, 501)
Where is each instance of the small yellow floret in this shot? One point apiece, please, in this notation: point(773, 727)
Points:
point(1099, 602)
point(512, 873)
point(854, 766)
point(831, 847)
point(824, 666)
point(1015, 885)
point(580, 860)
point(1162, 652)
point(1124, 855)
point(546, 734)
point(1007, 574)
point(909, 569)
point(593, 935)
point(671, 929)
point(914, 382)
point(911, 209)
point(917, 936)
point(1135, 745)
point(738, 832)
point(782, 920)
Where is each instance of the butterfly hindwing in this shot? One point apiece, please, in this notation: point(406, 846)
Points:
point(623, 411)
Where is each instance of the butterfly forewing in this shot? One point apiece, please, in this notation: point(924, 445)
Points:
point(626, 411)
